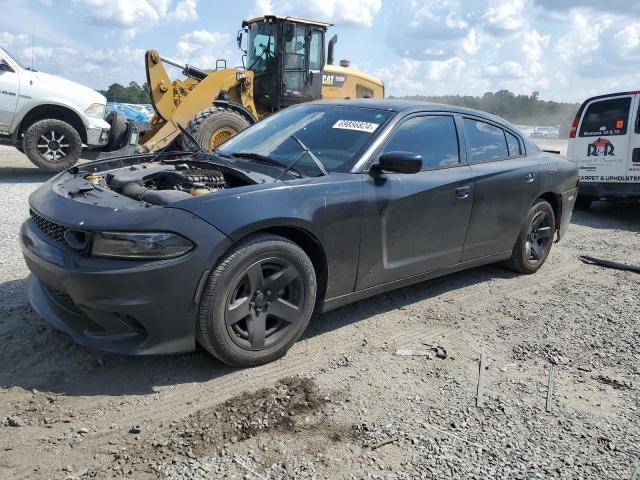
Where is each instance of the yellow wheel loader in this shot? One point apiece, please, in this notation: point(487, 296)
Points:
point(283, 64)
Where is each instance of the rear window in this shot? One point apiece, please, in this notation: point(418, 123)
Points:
point(513, 144)
point(606, 118)
point(486, 141)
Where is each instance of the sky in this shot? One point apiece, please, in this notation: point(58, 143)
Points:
point(566, 50)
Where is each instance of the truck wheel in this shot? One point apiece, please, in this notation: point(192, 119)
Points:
point(212, 127)
point(257, 302)
point(52, 145)
point(583, 203)
point(117, 132)
point(535, 239)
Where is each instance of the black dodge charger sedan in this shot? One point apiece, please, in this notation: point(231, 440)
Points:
point(317, 206)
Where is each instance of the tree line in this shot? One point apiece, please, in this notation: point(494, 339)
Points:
point(133, 93)
point(518, 109)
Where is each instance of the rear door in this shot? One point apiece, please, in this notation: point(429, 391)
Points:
point(506, 184)
point(633, 162)
point(415, 223)
point(601, 145)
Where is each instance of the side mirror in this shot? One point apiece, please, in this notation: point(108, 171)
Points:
point(289, 31)
point(398, 162)
point(239, 40)
point(5, 66)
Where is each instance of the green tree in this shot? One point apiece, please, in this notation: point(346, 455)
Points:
point(133, 93)
point(518, 109)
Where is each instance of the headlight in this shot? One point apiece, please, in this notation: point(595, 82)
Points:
point(155, 245)
point(95, 110)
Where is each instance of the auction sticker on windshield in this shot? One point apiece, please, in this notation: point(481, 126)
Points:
point(356, 125)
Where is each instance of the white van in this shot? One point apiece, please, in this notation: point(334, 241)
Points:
point(605, 142)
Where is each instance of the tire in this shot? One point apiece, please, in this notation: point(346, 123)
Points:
point(63, 135)
point(117, 132)
point(212, 127)
point(525, 257)
point(240, 320)
point(583, 203)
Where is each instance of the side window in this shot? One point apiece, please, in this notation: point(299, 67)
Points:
point(433, 137)
point(606, 118)
point(315, 50)
point(487, 142)
point(513, 144)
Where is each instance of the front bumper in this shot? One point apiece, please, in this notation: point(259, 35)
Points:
point(97, 132)
point(97, 137)
point(121, 306)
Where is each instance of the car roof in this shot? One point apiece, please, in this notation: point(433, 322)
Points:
point(407, 106)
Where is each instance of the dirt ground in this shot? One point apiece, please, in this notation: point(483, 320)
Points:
point(345, 402)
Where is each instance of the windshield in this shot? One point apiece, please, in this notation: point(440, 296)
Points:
point(261, 47)
point(336, 135)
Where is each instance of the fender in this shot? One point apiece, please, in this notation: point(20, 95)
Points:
point(236, 107)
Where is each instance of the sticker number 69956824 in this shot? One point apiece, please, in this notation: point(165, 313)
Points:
point(356, 125)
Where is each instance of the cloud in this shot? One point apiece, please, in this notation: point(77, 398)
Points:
point(505, 16)
point(133, 16)
point(352, 12)
point(506, 70)
point(185, 11)
point(202, 48)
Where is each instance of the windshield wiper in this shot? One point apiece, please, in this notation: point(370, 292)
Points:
point(306, 152)
point(258, 157)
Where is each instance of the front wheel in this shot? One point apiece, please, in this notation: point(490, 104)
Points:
point(52, 145)
point(257, 302)
point(534, 240)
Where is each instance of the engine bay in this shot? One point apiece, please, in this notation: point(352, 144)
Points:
point(160, 184)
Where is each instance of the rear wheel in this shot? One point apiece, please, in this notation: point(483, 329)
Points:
point(535, 239)
point(257, 302)
point(52, 145)
point(214, 126)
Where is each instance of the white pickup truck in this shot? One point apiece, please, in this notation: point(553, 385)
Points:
point(48, 118)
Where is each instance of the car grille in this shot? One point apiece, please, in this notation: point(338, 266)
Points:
point(50, 229)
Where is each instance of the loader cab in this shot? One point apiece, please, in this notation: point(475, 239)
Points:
point(286, 55)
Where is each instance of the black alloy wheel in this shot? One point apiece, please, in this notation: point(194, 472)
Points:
point(539, 236)
point(257, 301)
point(265, 303)
point(535, 239)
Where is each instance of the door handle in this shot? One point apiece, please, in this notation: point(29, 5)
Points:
point(529, 177)
point(463, 192)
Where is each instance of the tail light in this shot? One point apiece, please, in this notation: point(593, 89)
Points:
point(574, 127)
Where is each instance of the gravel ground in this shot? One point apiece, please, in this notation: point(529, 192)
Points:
point(347, 402)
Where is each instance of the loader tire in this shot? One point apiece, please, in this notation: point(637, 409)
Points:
point(212, 127)
point(117, 132)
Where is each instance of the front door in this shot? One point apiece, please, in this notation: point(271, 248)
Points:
point(415, 223)
point(9, 91)
point(601, 145)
